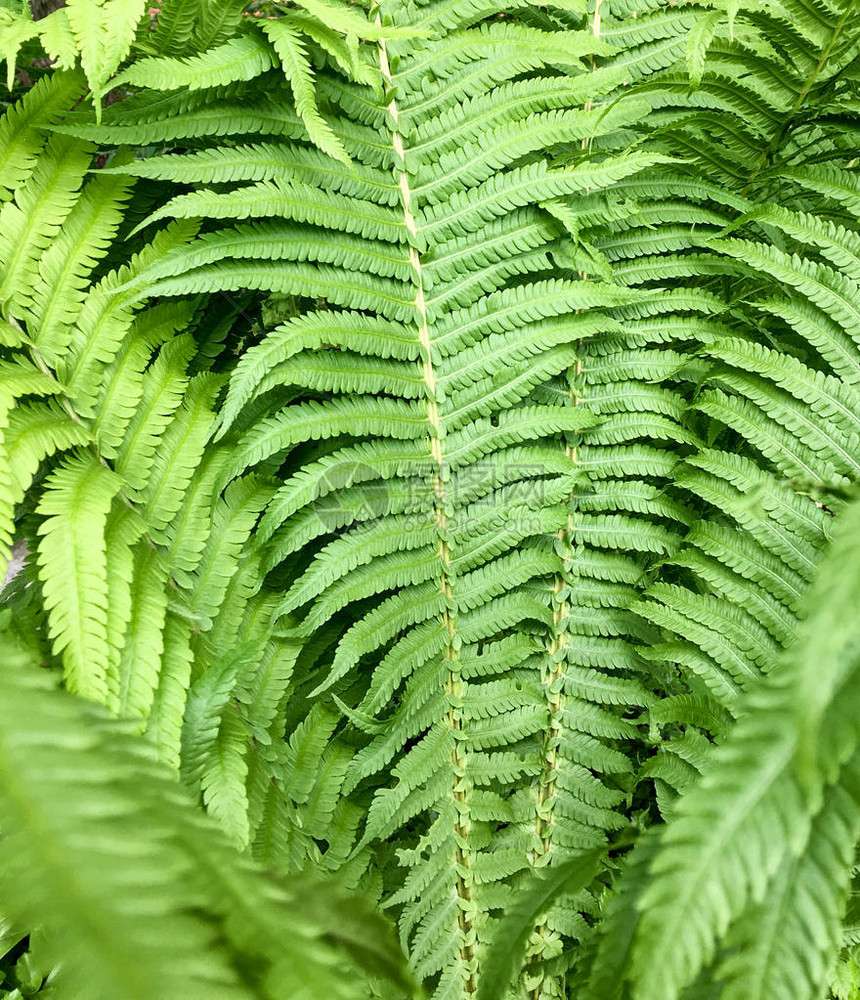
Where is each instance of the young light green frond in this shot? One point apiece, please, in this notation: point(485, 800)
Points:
point(287, 42)
point(179, 452)
point(214, 742)
point(105, 318)
point(21, 135)
point(65, 268)
point(58, 38)
point(134, 678)
point(7, 503)
point(233, 519)
point(36, 431)
point(15, 30)
point(109, 567)
point(72, 558)
point(103, 32)
point(30, 222)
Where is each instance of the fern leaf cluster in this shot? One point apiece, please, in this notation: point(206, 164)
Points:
point(462, 589)
point(426, 424)
point(160, 903)
point(133, 553)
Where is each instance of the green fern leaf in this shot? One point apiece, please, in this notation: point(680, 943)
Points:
point(241, 58)
point(78, 765)
point(288, 44)
point(103, 33)
point(731, 834)
point(72, 558)
point(14, 32)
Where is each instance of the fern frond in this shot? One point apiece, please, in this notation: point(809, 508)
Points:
point(241, 58)
point(41, 206)
point(185, 27)
point(15, 30)
point(287, 42)
point(122, 522)
point(103, 32)
point(72, 556)
point(75, 764)
point(85, 236)
point(730, 836)
point(58, 38)
point(520, 491)
point(802, 907)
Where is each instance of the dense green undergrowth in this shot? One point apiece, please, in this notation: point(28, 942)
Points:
point(426, 425)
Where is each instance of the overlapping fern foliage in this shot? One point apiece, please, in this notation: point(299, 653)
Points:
point(425, 423)
point(190, 917)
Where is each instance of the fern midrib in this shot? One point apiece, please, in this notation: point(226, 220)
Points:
point(453, 681)
point(553, 676)
point(559, 640)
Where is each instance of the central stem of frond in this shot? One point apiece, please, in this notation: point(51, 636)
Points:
point(454, 683)
point(556, 653)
